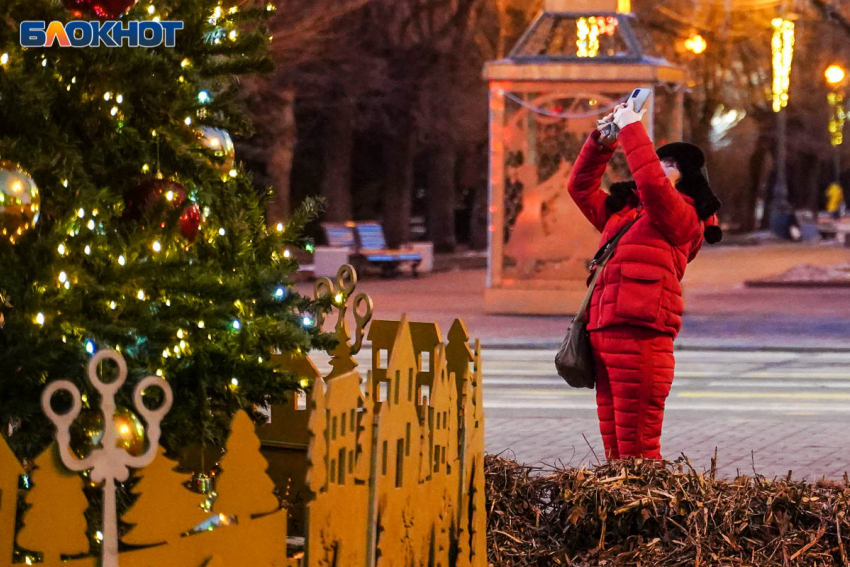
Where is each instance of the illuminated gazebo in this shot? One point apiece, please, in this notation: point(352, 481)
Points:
point(578, 60)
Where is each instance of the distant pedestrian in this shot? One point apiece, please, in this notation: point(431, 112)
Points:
point(636, 308)
point(834, 200)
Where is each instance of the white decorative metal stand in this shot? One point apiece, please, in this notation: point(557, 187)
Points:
point(109, 463)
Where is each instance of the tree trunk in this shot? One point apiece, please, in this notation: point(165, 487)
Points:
point(398, 186)
point(281, 154)
point(748, 218)
point(338, 148)
point(442, 166)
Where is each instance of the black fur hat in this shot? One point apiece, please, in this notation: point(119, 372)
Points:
point(694, 181)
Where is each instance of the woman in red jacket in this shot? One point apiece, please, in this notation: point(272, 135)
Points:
point(636, 308)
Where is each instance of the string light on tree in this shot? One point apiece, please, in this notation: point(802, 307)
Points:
point(782, 49)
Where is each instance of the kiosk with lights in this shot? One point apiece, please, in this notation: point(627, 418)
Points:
point(576, 62)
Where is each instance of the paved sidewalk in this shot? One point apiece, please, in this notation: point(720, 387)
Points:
point(720, 311)
point(811, 448)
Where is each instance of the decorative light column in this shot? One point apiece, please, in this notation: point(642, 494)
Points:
point(782, 49)
point(834, 75)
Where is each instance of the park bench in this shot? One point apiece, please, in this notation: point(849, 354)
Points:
point(366, 245)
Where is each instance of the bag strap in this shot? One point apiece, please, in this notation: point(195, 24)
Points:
point(599, 260)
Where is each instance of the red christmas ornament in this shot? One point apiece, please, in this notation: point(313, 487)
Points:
point(190, 222)
point(105, 9)
point(154, 198)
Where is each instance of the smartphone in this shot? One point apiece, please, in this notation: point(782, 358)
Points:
point(640, 96)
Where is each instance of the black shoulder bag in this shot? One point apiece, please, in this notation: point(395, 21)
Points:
point(574, 360)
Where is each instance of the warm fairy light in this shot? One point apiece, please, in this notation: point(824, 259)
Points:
point(222, 232)
point(696, 44)
point(233, 10)
point(280, 227)
point(234, 382)
point(107, 96)
point(279, 293)
point(63, 277)
point(39, 319)
point(157, 247)
point(61, 249)
point(183, 344)
point(237, 324)
point(304, 382)
point(67, 285)
point(119, 99)
point(233, 35)
point(98, 535)
point(233, 173)
point(141, 295)
point(90, 347)
point(338, 297)
point(200, 324)
point(782, 49)
point(203, 97)
point(834, 74)
point(165, 353)
point(185, 63)
point(287, 253)
point(81, 213)
point(90, 224)
point(146, 168)
point(587, 32)
point(114, 111)
point(44, 63)
point(151, 9)
point(112, 305)
point(179, 333)
point(4, 59)
point(188, 121)
point(94, 213)
point(121, 260)
point(307, 321)
point(88, 250)
point(159, 372)
point(271, 7)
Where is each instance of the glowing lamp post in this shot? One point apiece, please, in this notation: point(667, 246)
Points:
point(782, 50)
point(834, 76)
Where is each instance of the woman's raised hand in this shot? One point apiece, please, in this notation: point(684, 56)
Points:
point(625, 114)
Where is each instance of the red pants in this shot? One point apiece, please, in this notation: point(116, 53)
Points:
point(634, 372)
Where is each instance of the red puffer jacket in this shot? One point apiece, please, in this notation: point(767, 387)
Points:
point(641, 284)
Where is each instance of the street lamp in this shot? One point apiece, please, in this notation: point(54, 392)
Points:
point(834, 74)
point(696, 44)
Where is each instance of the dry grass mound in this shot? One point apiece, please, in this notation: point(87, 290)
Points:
point(646, 514)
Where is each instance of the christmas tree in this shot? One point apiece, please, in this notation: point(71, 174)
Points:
point(126, 223)
point(55, 524)
point(244, 489)
point(161, 489)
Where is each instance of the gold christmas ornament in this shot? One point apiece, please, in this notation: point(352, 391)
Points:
point(87, 432)
point(20, 201)
point(220, 143)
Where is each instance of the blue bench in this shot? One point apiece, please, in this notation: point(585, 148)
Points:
point(367, 246)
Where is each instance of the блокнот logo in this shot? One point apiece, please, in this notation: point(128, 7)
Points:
point(80, 33)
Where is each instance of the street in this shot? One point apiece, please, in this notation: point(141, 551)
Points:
point(781, 410)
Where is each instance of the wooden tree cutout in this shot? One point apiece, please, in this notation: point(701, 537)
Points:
point(10, 473)
point(161, 489)
point(244, 489)
point(56, 523)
